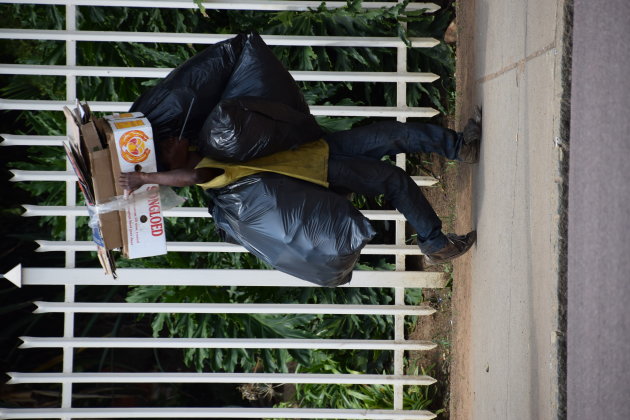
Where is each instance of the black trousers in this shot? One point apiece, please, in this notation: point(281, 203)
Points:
point(355, 165)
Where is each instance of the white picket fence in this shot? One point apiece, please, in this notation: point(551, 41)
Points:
point(71, 277)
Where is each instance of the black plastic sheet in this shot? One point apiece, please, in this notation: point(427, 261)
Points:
point(258, 72)
point(199, 81)
point(296, 227)
point(245, 128)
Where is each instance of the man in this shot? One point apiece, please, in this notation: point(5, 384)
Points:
point(344, 161)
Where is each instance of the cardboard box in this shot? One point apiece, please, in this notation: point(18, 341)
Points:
point(104, 148)
point(132, 140)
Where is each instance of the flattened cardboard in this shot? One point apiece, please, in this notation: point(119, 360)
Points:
point(104, 190)
point(75, 133)
point(115, 165)
point(91, 140)
point(80, 169)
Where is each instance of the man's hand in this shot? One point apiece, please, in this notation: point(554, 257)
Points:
point(131, 181)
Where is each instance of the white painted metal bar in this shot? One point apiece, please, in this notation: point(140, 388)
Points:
point(71, 186)
point(228, 308)
point(197, 212)
point(216, 378)
point(28, 140)
point(222, 343)
point(215, 413)
point(340, 76)
point(399, 355)
point(261, 5)
point(34, 211)
point(212, 277)
point(329, 110)
point(68, 354)
point(83, 246)
point(195, 38)
point(24, 175)
point(152, 72)
point(400, 234)
point(71, 200)
point(174, 246)
point(373, 111)
point(21, 175)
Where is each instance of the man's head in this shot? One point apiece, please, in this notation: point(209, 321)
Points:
point(172, 153)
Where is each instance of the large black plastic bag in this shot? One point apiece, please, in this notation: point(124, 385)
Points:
point(258, 72)
point(297, 227)
point(202, 77)
point(245, 128)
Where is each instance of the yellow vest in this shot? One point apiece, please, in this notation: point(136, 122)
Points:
point(308, 162)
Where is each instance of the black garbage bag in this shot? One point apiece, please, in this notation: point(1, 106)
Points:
point(245, 128)
point(199, 81)
point(258, 72)
point(295, 226)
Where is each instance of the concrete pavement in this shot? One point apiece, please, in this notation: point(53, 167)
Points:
point(511, 370)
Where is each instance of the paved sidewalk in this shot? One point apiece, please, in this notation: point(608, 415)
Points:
point(511, 319)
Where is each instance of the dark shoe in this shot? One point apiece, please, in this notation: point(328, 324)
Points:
point(469, 152)
point(472, 132)
point(457, 245)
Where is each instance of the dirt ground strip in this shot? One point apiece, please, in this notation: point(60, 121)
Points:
point(437, 327)
point(450, 326)
point(460, 386)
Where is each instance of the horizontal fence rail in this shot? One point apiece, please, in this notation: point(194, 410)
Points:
point(370, 249)
point(198, 212)
point(260, 5)
point(23, 175)
point(216, 378)
point(212, 277)
point(328, 110)
point(214, 413)
point(229, 308)
point(192, 38)
point(222, 343)
point(29, 140)
point(152, 72)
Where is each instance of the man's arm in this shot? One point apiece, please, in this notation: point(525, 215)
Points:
point(131, 181)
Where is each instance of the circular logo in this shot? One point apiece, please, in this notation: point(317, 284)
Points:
point(133, 146)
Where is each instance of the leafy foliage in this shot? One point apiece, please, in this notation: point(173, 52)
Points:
point(270, 326)
point(344, 396)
